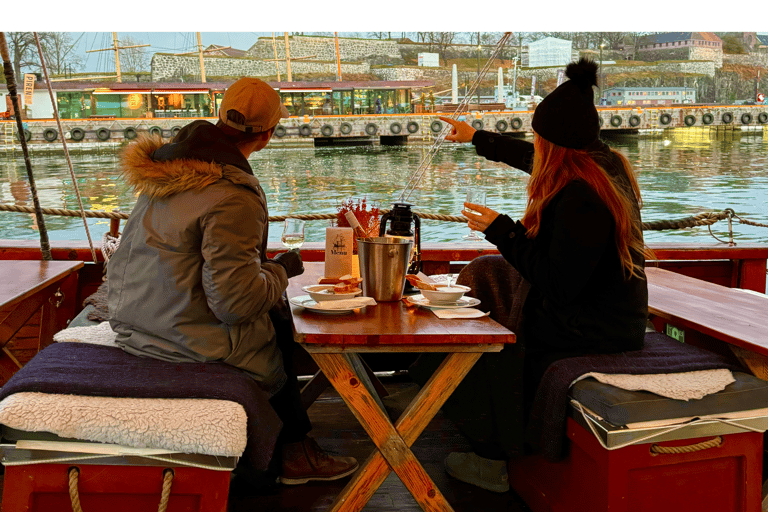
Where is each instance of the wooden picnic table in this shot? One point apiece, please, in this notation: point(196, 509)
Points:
point(335, 343)
point(26, 288)
point(732, 315)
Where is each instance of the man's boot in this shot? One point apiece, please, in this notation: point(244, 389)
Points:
point(305, 461)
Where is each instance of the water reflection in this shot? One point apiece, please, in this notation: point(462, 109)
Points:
point(681, 173)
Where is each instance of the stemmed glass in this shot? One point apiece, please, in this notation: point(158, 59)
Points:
point(293, 234)
point(475, 196)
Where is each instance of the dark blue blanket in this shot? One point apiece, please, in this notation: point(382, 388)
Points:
point(93, 370)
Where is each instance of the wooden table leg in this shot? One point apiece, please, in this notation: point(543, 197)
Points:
point(393, 441)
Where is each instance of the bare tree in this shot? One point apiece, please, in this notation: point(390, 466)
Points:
point(441, 40)
point(59, 52)
point(22, 48)
point(133, 60)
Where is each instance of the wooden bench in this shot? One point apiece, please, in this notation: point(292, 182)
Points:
point(704, 313)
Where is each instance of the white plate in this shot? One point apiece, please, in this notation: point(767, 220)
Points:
point(321, 292)
point(307, 302)
point(464, 302)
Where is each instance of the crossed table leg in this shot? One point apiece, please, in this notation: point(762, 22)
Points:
point(393, 441)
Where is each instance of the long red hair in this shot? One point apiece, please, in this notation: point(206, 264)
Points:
point(555, 166)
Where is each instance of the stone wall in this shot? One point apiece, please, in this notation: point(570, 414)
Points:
point(750, 59)
point(683, 53)
point(167, 67)
point(324, 49)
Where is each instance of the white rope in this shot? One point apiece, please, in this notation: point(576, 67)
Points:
point(64, 142)
point(413, 182)
point(109, 245)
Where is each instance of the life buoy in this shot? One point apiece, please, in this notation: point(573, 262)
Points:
point(634, 120)
point(130, 133)
point(477, 124)
point(665, 118)
point(175, 131)
point(436, 126)
point(746, 118)
point(600, 122)
point(371, 129)
point(616, 121)
point(50, 134)
point(762, 118)
point(27, 135)
point(412, 127)
point(501, 125)
point(305, 130)
point(395, 128)
point(279, 131)
point(103, 133)
point(156, 131)
point(326, 130)
point(727, 118)
point(707, 118)
point(516, 123)
point(345, 128)
point(77, 134)
point(689, 120)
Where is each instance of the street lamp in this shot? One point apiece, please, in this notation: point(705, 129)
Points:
point(600, 85)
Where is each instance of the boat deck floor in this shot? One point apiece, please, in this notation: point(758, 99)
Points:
point(337, 430)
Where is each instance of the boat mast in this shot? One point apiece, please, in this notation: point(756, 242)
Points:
point(10, 81)
point(287, 57)
point(338, 57)
point(277, 63)
point(200, 52)
point(117, 49)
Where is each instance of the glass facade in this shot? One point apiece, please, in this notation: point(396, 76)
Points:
point(79, 105)
point(162, 104)
point(347, 102)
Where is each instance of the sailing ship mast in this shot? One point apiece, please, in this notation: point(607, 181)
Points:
point(116, 48)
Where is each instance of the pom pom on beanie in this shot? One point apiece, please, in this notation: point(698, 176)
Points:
point(567, 116)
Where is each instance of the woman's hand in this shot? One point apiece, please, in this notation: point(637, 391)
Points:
point(461, 132)
point(478, 217)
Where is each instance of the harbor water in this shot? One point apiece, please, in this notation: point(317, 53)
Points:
point(681, 173)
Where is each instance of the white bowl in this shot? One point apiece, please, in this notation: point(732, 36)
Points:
point(445, 294)
point(321, 292)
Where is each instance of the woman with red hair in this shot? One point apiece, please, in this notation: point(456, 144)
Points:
point(578, 252)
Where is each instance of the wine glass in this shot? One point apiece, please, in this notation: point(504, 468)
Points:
point(293, 234)
point(475, 196)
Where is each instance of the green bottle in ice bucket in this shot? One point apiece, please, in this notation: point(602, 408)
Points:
point(403, 223)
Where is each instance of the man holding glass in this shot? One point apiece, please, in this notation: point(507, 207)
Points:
point(191, 281)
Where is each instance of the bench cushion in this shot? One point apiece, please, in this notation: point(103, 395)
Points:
point(622, 407)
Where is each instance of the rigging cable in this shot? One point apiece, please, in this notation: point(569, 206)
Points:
point(10, 80)
point(414, 180)
point(64, 143)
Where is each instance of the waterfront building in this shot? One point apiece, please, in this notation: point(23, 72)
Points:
point(681, 46)
point(647, 96)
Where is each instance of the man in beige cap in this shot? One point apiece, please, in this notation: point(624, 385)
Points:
point(191, 281)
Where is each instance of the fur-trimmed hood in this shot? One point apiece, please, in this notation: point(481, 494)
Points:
point(197, 157)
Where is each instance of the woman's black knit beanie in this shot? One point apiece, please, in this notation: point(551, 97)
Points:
point(567, 116)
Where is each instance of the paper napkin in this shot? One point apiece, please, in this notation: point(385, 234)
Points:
point(459, 313)
point(357, 302)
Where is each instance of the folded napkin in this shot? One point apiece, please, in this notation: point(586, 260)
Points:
point(357, 302)
point(459, 313)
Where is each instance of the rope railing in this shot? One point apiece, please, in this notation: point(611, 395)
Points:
point(700, 219)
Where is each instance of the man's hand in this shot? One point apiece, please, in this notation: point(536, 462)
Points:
point(478, 217)
point(291, 260)
point(461, 132)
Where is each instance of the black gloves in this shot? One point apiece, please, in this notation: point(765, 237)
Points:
point(291, 260)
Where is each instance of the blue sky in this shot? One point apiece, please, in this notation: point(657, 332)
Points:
point(171, 27)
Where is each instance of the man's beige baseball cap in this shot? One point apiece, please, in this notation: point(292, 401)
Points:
point(251, 105)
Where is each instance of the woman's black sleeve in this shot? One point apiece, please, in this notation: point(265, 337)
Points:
point(517, 153)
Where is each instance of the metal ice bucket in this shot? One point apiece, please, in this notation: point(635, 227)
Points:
point(383, 265)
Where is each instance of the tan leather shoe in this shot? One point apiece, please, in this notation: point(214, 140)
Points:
point(305, 461)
